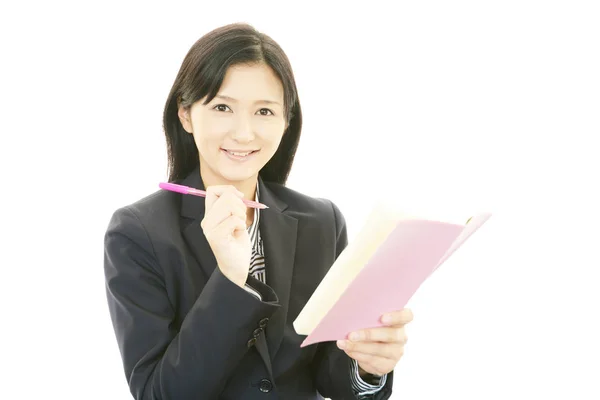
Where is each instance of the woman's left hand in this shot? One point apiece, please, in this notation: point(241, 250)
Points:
point(378, 350)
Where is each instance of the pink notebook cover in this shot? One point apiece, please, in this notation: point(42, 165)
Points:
point(409, 255)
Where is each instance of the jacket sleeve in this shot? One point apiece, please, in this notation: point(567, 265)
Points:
point(331, 366)
point(162, 362)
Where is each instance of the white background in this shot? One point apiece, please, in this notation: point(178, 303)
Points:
point(448, 107)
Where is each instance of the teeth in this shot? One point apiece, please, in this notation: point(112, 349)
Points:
point(239, 154)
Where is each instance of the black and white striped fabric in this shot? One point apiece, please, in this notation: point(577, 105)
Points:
point(258, 270)
point(257, 261)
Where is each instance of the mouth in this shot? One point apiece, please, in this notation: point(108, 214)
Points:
point(239, 154)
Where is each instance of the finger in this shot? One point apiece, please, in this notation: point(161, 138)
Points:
point(226, 231)
point(220, 189)
point(218, 216)
point(214, 192)
point(383, 334)
point(396, 318)
point(230, 203)
point(226, 205)
point(229, 228)
point(385, 350)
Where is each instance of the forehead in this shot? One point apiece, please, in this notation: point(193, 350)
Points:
point(252, 82)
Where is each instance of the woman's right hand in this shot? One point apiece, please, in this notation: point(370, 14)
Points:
point(224, 226)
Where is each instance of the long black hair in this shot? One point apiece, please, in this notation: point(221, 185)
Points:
point(202, 73)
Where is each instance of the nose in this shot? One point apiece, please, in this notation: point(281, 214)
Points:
point(243, 131)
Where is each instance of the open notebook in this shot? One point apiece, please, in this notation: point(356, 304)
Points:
point(379, 271)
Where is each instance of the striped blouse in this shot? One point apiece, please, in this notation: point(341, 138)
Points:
point(257, 270)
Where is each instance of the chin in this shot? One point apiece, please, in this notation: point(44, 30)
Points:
point(238, 176)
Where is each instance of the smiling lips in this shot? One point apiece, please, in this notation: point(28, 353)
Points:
point(239, 154)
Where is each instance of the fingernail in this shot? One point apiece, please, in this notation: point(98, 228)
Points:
point(341, 344)
point(354, 336)
point(386, 319)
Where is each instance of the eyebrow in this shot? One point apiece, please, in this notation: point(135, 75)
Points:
point(224, 97)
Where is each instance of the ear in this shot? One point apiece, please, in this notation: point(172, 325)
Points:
point(185, 119)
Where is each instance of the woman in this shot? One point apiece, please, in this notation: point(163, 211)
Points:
point(203, 292)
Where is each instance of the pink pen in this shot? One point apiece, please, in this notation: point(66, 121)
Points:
point(173, 187)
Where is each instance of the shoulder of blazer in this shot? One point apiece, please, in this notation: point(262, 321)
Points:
point(161, 205)
point(157, 213)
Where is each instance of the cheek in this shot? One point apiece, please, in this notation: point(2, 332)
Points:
point(212, 126)
point(271, 144)
point(210, 132)
point(272, 133)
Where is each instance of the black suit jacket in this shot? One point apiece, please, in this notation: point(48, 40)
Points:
point(185, 331)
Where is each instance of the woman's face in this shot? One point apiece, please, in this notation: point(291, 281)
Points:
point(239, 131)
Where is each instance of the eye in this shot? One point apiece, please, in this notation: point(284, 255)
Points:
point(265, 112)
point(221, 107)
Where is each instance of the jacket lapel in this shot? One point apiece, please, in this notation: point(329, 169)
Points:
point(192, 207)
point(278, 232)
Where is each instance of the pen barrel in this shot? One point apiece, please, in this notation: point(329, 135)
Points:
point(173, 187)
point(254, 204)
point(196, 192)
